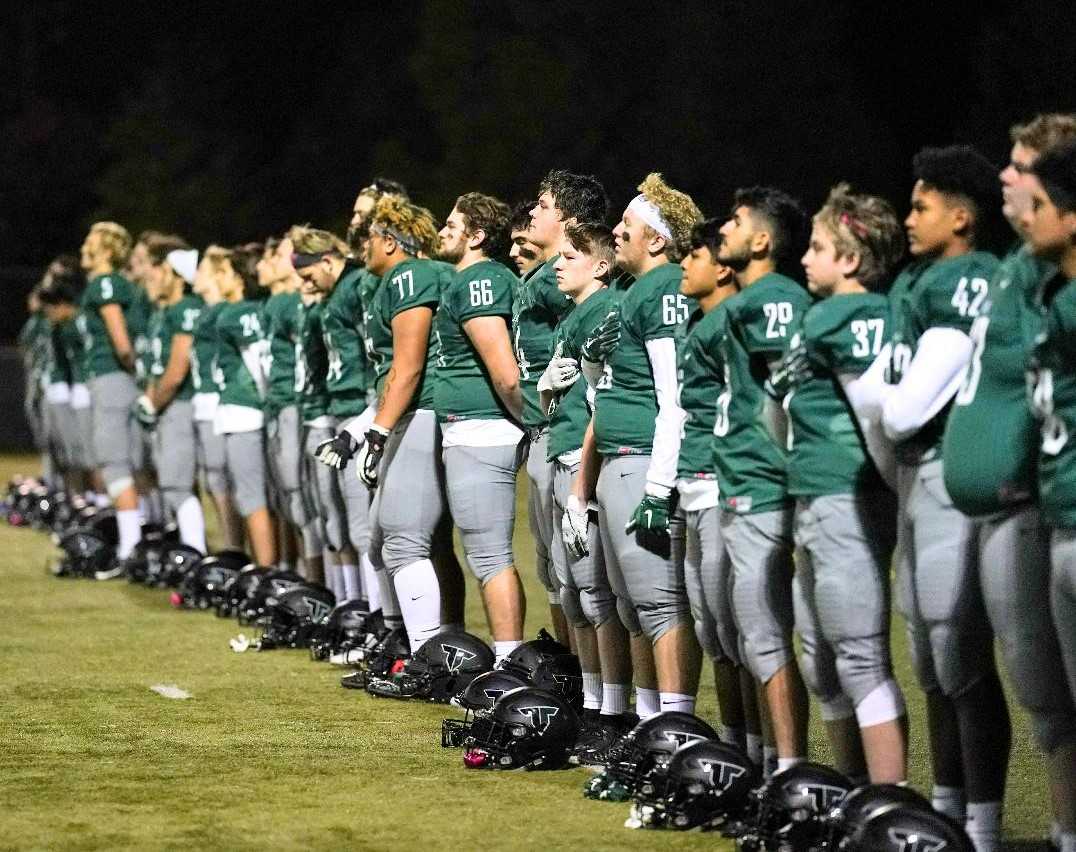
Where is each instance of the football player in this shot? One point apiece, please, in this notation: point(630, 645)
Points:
point(955, 215)
point(1049, 222)
point(209, 445)
point(400, 452)
point(165, 408)
point(478, 404)
point(845, 525)
point(707, 569)
point(112, 318)
point(522, 252)
point(630, 358)
point(563, 198)
point(761, 241)
point(241, 379)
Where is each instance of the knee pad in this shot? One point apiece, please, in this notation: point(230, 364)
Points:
point(835, 709)
point(819, 674)
point(883, 704)
point(708, 641)
point(628, 617)
point(658, 619)
point(598, 604)
point(862, 665)
point(296, 509)
point(117, 479)
point(398, 550)
point(569, 600)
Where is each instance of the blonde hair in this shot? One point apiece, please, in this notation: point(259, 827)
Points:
point(217, 257)
point(307, 240)
point(115, 239)
point(1045, 131)
point(866, 226)
point(680, 213)
point(412, 226)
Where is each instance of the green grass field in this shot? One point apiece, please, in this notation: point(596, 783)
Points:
point(270, 752)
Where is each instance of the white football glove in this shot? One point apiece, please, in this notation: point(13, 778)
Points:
point(369, 455)
point(573, 527)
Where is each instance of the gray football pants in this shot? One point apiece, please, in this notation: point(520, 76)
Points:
point(323, 491)
point(1014, 555)
point(540, 514)
point(285, 454)
point(244, 457)
point(708, 579)
point(209, 453)
point(938, 588)
point(760, 549)
point(1063, 598)
point(585, 594)
point(173, 450)
point(117, 437)
point(841, 593)
point(410, 498)
point(649, 585)
point(356, 497)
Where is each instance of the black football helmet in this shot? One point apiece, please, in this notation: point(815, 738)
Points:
point(907, 828)
point(83, 553)
point(707, 785)
point(862, 803)
point(255, 606)
point(346, 628)
point(204, 587)
point(385, 658)
point(290, 622)
point(479, 697)
point(176, 562)
point(792, 807)
point(640, 759)
point(528, 728)
point(241, 589)
point(444, 665)
point(549, 665)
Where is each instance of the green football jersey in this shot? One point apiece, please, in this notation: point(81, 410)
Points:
point(700, 378)
point(69, 339)
point(138, 323)
point(751, 466)
point(626, 402)
point(204, 351)
point(827, 453)
point(165, 324)
point(341, 326)
point(991, 439)
point(313, 364)
point(239, 328)
point(281, 316)
point(1054, 398)
point(537, 309)
point(35, 341)
point(368, 287)
point(99, 358)
point(56, 367)
point(570, 411)
point(463, 389)
point(414, 283)
point(947, 293)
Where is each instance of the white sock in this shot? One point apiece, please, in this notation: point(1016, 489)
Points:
point(419, 595)
point(647, 702)
point(352, 583)
point(754, 748)
point(1067, 841)
point(614, 699)
point(334, 581)
point(101, 501)
point(949, 801)
point(503, 648)
point(983, 826)
point(1055, 833)
point(130, 526)
point(732, 735)
point(784, 763)
point(677, 701)
point(390, 607)
point(370, 585)
point(592, 690)
point(191, 523)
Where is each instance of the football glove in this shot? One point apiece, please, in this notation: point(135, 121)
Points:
point(573, 527)
point(146, 412)
point(369, 456)
point(337, 451)
point(560, 375)
point(603, 340)
point(652, 513)
point(794, 369)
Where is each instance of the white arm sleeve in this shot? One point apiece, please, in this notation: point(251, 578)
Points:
point(358, 426)
point(867, 392)
point(670, 417)
point(931, 380)
point(879, 446)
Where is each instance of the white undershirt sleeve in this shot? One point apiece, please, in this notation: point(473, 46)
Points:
point(670, 417)
point(359, 425)
point(879, 447)
point(931, 380)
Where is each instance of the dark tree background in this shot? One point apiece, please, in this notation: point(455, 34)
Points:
point(227, 122)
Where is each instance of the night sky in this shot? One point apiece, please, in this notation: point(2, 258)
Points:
point(230, 126)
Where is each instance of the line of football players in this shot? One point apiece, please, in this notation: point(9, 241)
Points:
point(717, 457)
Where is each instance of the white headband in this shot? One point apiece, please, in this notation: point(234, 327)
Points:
point(649, 213)
point(184, 262)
